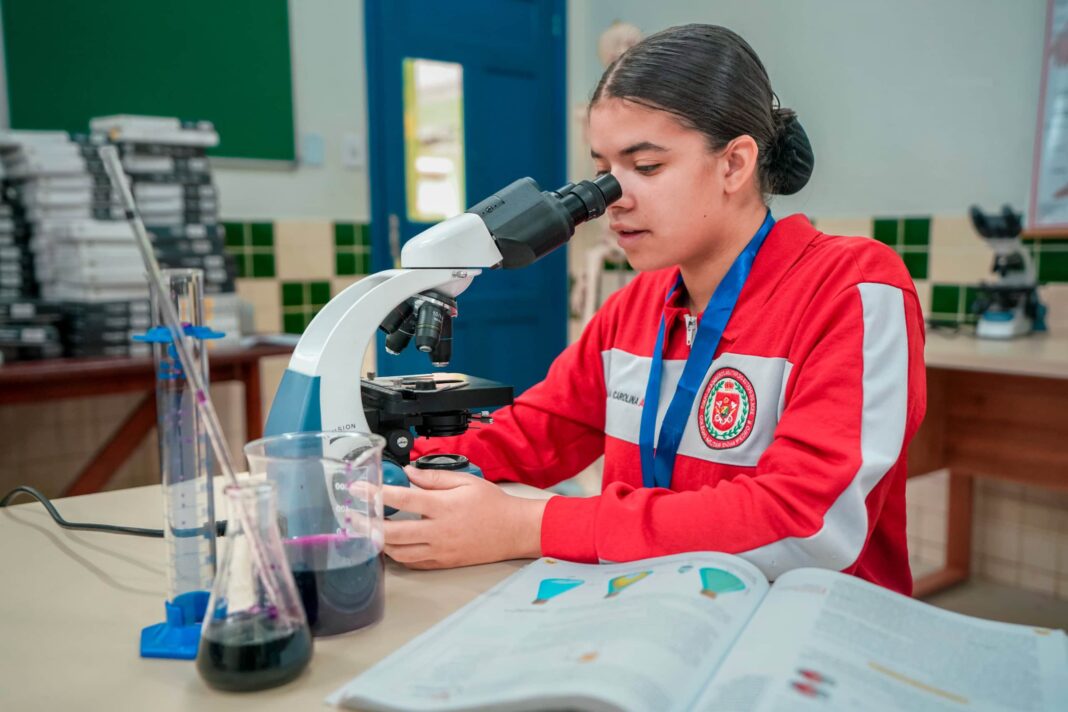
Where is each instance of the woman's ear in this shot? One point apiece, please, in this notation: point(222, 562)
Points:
point(740, 157)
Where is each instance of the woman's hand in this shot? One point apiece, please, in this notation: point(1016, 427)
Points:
point(466, 520)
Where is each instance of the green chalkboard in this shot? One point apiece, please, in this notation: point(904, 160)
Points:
point(227, 61)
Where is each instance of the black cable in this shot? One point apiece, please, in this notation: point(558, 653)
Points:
point(132, 531)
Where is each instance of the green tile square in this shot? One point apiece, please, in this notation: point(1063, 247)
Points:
point(916, 262)
point(293, 323)
point(262, 234)
point(363, 262)
point(292, 294)
point(1053, 267)
point(365, 236)
point(917, 231)
point(344, 234)
point(945, 298)
point(241, 264)
point(320, 293)
point(970, 295)
point(262, 265)
point(235, 234)
point(345, 264)
point(885, 231)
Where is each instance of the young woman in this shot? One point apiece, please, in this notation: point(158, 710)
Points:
point(752, 391)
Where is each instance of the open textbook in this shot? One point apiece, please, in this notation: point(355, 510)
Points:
point(706, 632)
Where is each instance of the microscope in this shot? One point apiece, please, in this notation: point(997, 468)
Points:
point(321, 389)
point(1008, 307)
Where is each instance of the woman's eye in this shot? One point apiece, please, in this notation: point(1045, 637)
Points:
point(647, 169)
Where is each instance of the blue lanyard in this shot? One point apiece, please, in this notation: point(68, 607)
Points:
point(657, 464)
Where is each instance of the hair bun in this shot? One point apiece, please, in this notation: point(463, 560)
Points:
point(791, 160)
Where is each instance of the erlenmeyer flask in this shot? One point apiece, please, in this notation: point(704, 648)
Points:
point(249, 641)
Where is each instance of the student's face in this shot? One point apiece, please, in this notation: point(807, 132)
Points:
point(673, 186)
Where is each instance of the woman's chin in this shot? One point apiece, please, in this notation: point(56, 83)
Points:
point(646, 260)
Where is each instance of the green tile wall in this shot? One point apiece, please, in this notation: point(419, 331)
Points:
point(1051, 258)
point(953, 303)
point(301, 301)
point(911, 239)
point(252, 245)
point(352, 249)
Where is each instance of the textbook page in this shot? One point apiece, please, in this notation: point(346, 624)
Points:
point(644, 635)
point(827, 641)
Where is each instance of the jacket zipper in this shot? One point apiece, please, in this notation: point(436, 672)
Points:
point(691, 329)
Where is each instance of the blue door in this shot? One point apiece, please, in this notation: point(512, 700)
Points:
point(507, 58)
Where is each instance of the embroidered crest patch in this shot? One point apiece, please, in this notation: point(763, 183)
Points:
point(728, 409)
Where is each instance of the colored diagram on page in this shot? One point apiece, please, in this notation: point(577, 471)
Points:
point(550, 588)
point(619, 584)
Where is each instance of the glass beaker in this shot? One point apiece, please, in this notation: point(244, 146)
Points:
point(331, 530)
point(249, 641)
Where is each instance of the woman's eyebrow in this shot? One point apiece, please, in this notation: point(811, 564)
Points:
point(641, 146)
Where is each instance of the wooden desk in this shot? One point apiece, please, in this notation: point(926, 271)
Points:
point(54, 379)
point(995, 409)
point(73, 605)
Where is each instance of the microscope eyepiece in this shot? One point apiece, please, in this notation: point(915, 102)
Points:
point(590, 198)
point(528, 223)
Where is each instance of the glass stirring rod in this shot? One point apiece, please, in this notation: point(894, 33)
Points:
point(120, 185)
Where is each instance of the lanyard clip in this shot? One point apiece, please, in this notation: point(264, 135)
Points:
point(691, 329)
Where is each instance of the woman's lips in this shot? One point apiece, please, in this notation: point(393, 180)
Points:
point(629, 236)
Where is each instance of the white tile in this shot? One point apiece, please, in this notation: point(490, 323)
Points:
point(1038, 581)
point(1038, 515)
point(1038, 548)
point(923, 293)
point(1061, 546)
point(1006, 508)
point(959, 266)
point(1062, 587)
point(999, 539)
point(304, 249)
point(954, 231)
point(933, 553)
point(340, 284)
point(271, 370)
point(933, 528)
point(861, 227)
point(1001, 571)
point(265, 297)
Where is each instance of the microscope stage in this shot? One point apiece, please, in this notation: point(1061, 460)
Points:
point(433, 392)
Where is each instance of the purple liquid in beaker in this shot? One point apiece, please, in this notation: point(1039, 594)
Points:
point(340, 581)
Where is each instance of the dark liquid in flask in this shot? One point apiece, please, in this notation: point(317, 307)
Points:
point(247, 653)
point(338, 598)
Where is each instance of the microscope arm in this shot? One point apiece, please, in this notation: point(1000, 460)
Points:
point(321, 389)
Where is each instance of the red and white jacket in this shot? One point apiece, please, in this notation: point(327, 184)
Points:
point(794, 451)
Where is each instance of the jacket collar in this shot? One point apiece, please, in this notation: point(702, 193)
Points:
point(781, 250)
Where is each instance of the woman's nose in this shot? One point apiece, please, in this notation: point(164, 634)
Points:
point(626, 200)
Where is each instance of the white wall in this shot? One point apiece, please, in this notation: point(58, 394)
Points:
point(912, 106)
point(330, 99)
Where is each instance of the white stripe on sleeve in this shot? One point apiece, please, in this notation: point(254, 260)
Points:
point(838, 542)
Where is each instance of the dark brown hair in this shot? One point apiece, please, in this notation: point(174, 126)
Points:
point(713, 81)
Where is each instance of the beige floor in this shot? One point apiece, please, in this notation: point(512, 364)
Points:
point(1003, 603)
